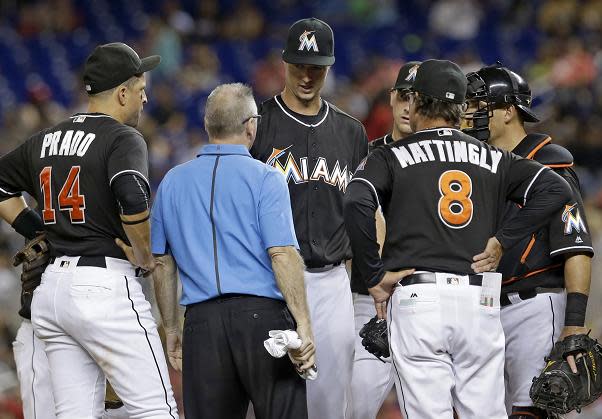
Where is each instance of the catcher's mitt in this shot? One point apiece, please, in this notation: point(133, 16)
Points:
point(557, 389)
point(34, 256)
point(375, 339)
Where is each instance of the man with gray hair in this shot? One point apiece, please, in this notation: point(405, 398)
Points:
point(224, 222)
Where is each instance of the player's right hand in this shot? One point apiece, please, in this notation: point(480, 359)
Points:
point(304, 357)
point(382, 291)
point(489, 259)
point(173, 341)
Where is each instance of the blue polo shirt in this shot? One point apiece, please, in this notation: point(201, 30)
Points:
point(217, 215)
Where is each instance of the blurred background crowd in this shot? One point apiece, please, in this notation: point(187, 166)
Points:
point(555, 44)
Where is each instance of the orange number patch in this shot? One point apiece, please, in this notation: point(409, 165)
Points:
point(455, 205)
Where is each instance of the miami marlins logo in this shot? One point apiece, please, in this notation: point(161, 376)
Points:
point(308, 42)
point(299, 173)
point(412, 73)
point(572, 220)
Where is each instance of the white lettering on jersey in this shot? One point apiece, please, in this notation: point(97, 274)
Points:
point(70, 144)
point(456, 151)
point(299, 173)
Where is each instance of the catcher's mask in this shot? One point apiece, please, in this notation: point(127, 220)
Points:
point(494, 87)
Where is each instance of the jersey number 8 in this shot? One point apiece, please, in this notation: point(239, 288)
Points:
point(455, 205)
point(69, 197)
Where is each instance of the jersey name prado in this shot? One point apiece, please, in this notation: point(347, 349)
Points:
point(69, 143)
point(299, 173)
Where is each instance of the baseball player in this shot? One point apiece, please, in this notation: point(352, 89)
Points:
point(316, 146)
point(442, 192)
point(88, 175)
point(536, 311)
point(372, 378)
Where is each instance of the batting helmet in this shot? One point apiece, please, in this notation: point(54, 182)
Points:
point(496, 85)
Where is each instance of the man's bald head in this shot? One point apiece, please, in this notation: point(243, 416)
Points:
point(227, 108)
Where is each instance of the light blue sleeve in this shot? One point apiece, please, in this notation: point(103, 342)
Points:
point(159, 244)
point(275, 214)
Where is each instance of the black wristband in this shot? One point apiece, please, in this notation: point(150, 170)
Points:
point(576, 306)
point(130, 223)
point(28, 223)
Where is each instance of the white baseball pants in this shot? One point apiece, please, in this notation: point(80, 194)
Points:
point(96, 323)
point(447, 346)
point(331, 312)
point(34, 374)
point(531, 327)
point(372, 379)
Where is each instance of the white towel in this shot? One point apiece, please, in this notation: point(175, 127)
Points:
point(280, 342)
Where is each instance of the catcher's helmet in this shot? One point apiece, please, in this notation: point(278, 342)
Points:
point(497, 85)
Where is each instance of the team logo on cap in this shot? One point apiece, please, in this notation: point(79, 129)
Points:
point(308, 42)
point(572, 220)
point(412, 73)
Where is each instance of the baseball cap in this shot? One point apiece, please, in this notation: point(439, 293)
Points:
point(111, 64)
point(441, 79)
point(309, 41)
point(406, 76)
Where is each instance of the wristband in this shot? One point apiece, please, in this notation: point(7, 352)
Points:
point(576, 306)
point(131, 223)
point(28, 223)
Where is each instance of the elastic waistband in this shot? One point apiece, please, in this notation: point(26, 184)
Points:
point(113, 264)
point(323, 268)
point(431, 278)
point(516, 297)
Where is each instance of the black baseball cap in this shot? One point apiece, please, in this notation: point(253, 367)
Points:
point(309, 41)
point(406, 76)
point(111, 64)
point(441, 79)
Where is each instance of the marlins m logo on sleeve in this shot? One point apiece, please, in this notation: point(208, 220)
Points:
point(308, 42)
point(572, 220)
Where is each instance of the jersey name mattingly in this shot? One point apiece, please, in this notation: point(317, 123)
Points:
point(447, 151)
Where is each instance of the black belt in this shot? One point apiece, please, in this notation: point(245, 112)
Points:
point(97, 261)
point(524, 295)
point(323, 268)
point(431, 278)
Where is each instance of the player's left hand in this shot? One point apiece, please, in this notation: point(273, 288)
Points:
point(568, 331)
point(489, 259)
point(148, 268)
point(382, 291)
point(174, 348)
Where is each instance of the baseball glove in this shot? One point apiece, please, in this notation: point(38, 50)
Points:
point(557, 389)
point(375, 338)
point(34, 256)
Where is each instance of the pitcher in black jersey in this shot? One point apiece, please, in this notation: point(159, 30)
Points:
point(89, 177)
point(372, 378)
point(317, 147)
point(546, 276)
point(443, 193)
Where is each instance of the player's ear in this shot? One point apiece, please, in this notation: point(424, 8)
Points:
point(122, 95)
point(392, 97)
point(510, 113)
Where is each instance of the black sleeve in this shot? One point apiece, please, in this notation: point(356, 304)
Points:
point(14, 173)
point(128, 154)
point(131, 192)
point(539, 190)
point(371, 185)
point(362, 150)
point(568, 230)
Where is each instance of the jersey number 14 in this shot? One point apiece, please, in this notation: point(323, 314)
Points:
point(69, 198)
point(455, 205)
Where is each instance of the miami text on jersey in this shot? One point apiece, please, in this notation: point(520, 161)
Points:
point(572, 220)
point(300, 173)
point(451, 151)
point(72, 143)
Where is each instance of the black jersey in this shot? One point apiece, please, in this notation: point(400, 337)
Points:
point(317, 155)
point(357, 283)
point(443, 194)
point(538, 260)
point(68, 169)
